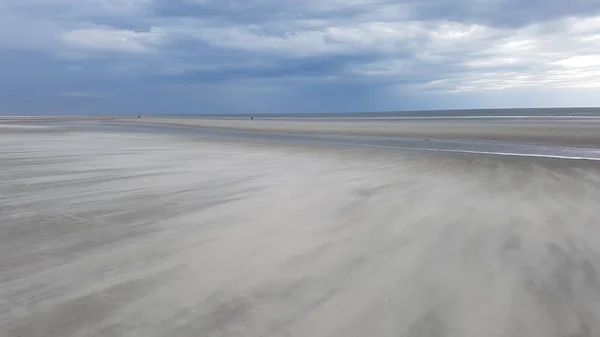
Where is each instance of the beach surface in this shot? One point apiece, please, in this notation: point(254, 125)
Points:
point(117, 231)
point(581, 131)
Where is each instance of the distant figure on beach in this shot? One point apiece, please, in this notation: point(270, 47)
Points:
point(251, 118)
point(139, 116)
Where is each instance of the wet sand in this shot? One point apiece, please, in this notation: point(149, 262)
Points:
point(147, 234)
point(586, 132)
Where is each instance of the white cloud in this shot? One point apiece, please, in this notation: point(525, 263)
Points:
point(47, 24)
point(584, 25)
point(492, 62)
point(457, 32)
point(583, 61)
point(115, 40)
point(553, 54)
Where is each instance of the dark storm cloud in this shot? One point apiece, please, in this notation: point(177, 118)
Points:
point(274, 69)
point(505, 13)
point(313, 55)
point(499, 13)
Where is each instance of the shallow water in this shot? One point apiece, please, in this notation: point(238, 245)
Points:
point(158, 234)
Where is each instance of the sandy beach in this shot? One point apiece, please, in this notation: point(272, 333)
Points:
point(585, 132)
point(106, 232)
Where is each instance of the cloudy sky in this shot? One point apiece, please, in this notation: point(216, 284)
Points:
point(248, 56)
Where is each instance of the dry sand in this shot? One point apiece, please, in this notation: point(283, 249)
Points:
point(140, 234)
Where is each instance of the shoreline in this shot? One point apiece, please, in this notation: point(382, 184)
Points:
point(557, 134)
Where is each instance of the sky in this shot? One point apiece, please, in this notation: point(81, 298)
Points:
point(276, 56)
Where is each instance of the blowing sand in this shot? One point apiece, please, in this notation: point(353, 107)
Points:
point(140, 234)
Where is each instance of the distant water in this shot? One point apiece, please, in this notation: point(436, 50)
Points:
point(537, 112)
